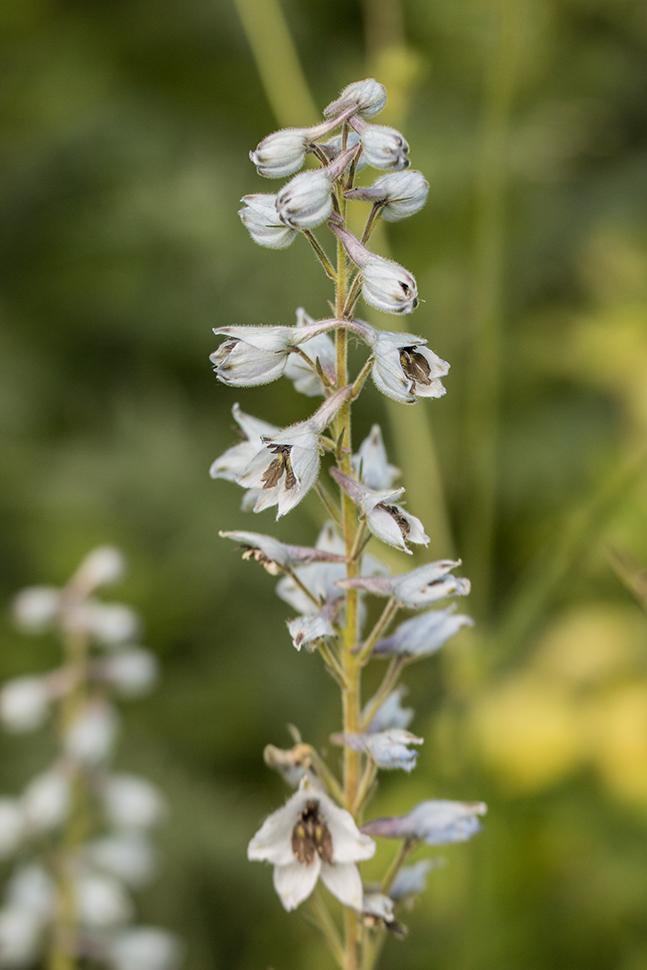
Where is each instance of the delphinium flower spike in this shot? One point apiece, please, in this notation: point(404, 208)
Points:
point(317, 834)
point(80, 832)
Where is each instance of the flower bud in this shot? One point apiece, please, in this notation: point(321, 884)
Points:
point(132, 672)
point(306, 201)
point(132, 802)
point(368, 98)
point(400, 194)
point(144, 948)
point(91, 736)
point(46, 800)
point(24, 703)
point(281, 153)
point(101, 902)
point(109, 623)
point(100, 567)
point(388, 286)
point(32, 889)
point(126, 856)
point(262, 221)
point(19, 937)
point(382, 147)
point(35, 607)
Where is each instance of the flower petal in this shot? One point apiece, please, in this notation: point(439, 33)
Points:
point(344, 882)
point(295, 882)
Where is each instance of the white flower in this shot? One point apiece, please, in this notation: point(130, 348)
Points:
point(24, 703)
point(101, 901)
point(404, 367)
point(110, 623)
point(388, 749)
point(307, 630)
point(367, 98)
point(371, 464)
point(283, 152)
point(32, 889)
point(133, 672)
point(132, 802)
point(262, 221)
point(319, 350)
point(399, 194)
point(144, 948)
point(287, 466)
point(126, 855)
point(90, 737)
point(390, 714)
point(100, 567)
point(382, 147)
point(416, 589)
point(275, 556)
point(19, 938)
point(34, 608)
point(387, 521)
point(12, 826)
point(379, 906)
point(388, 286)
point(258, 355)
point(435, 822)
point(46, 800)
point(310, 837)
point(413, 879)
point(423, 635)
point(306, 200)
point(385, 284)
point(235, 460)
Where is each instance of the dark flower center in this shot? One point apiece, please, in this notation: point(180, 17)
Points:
point(272, 475)
point(415, 365)
point(310, 836)
point(395, 513)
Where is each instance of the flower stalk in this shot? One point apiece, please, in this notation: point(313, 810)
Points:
point(316, 834)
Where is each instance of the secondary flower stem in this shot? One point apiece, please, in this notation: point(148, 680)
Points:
point(387, 685)
point(397, 863)
point(325, 923)
point(321, 256)
point(330, 506)
point(371, 222)
point(388, 613)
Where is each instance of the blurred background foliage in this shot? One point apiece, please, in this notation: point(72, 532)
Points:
point(125, 132)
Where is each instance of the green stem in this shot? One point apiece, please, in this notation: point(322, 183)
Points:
point(387, 615)
point(324, 921)
point(398, 861)
point(388, 683)
point(321, 256)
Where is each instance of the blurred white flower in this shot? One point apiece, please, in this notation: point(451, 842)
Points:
point(19, 938)
point(109, 623)
point(101, 567)
point(423, 635)
point(132, 802)
point(125, 855)
point(413, 879)
point(102, 902)
point(132, 672)
point(24, 703)
point(46, 800)
point(33, 890)
point(310, 837)
point(34, 608)
point(90, 738)
point(389, 749)
point(390, 713)
point(435, 822)
point(144, 948)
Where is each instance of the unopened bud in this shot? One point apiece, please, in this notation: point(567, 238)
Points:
point(46, 800)
point(144, 948)
point(400, 194)
point(35, 607)
point(262, 221)
point(101, 902)
point(101, 567)
point(281, 153)
point(382, 147)
point(132, 672)
point(389, 287)
point(368, 98)
point(306, 201)
point(91, 736)
point(24, 703)
point(132, 802)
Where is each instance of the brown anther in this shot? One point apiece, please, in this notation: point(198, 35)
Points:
point(272, 475)
point(395, 512)
point(415, 365)
point(310, 836)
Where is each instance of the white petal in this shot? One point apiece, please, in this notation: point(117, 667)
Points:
point(344, 882)
point(384, 527)
point(348, 843)
point(254, 428)
point(273, 841)
point(295, 882)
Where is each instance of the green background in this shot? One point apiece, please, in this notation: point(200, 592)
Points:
point(125, 133)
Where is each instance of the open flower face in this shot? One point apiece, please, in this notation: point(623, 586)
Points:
point(387, 521)
point(284, 470)
point(405, 369)
point(311, 838)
